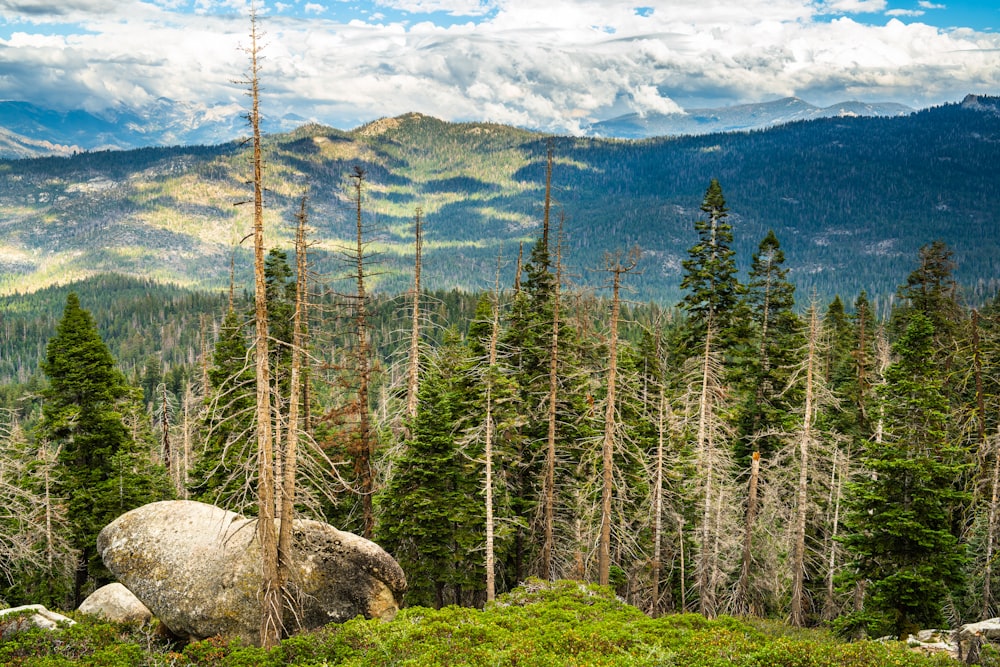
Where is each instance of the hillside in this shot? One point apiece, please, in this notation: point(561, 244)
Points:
point(851, 199)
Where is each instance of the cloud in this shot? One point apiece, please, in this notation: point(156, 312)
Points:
point(854, 6)
point(539, 65)
point(930, 5)
point(313, 8)
point(905, 12)
point(55, 8)
point(452, 7)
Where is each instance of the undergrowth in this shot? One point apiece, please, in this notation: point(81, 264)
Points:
point(538, 625)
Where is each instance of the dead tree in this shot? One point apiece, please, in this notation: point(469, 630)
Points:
point(490, 376)
point(550, 450)
point(363, 446)
point(806, 437)
point(290, 458)
point(413, 370)
point(614, 265)
point(270, 596)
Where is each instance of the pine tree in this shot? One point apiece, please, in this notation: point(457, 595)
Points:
point(221, 475)
point(432, 517)
point(710, 279)
point(765, 371)
point(103, 471)
point(900, 507)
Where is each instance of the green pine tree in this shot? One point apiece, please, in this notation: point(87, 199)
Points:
point(432, 515)
point(221, 475)
point(901, 505)
point(713, 289)
point(103, 470)
point(766, 367)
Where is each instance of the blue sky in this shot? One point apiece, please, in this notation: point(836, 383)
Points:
point(554, 65)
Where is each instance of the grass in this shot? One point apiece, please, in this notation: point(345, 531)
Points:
point(566, 624)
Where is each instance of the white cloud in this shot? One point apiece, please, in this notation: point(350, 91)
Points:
point(905, 12)
point(453, 7)
point(855, 6)
point(931, 5)
point(528, 63)
point(313, 8)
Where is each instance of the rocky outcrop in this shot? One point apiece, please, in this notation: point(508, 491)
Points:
point(198, 569)
point(19, 619)
point(116, 603)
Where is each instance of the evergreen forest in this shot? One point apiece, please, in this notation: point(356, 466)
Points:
point(747, 450)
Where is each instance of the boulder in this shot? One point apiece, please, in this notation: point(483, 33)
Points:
point(19, 619)
point(198, 569)
point(116, 603)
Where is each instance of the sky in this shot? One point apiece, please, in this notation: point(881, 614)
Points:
point(551, 65)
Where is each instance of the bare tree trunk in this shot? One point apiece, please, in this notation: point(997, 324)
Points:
point(364, 453)
point(661, 415)
point(683, 577)
point(550, 453)
point(413, 379)
point(836, 492)
point(270, 630)
point(806, 436)
point(614, 265)
point(494, 335)
point(292, 438)
point(992, 519)
point(186, 454)
point(744, 599)
point(705, 567)
point(165, 435)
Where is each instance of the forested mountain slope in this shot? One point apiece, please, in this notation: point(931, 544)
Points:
point(850, 198)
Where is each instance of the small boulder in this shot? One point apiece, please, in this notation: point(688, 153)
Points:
point(116, 603)
point(198, 569)
point(34, 616)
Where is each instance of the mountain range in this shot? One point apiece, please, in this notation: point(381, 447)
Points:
point(27, 130)
point(851, 199)
point(742, 117)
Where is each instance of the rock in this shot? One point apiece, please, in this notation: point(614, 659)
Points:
point(37, 616)
point(198, 569)
point(116, 603)
point(988, 629)
point(931, 642)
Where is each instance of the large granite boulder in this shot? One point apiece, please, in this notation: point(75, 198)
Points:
point(116, 603)
point(198, 569)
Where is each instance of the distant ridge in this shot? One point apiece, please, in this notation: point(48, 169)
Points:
point(27, 130)
point(737, 118)
point(851, 198)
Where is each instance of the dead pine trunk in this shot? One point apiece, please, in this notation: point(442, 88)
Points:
point(364, 446)
point(494, 336)
point(550, 451)
point(614, 265)
point(168, 461)
point(841, 468)
point(805, 439)
point(290, 458)
point(705, 567)
point(413, 370)
point(744, 599)
point(992, 520)
point(271, 624)
point(661, 427)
